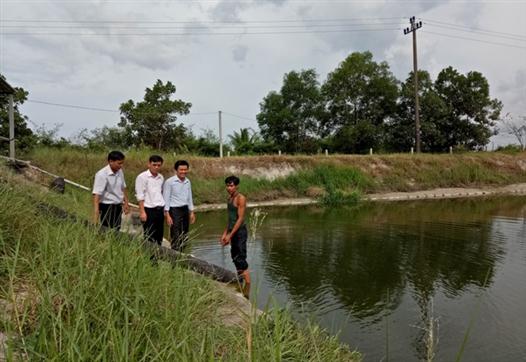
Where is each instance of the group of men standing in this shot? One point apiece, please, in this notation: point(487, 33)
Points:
point(169, 201)
point(159, 200)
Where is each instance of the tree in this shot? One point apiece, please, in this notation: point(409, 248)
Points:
point(469, 114)
point(105, 138)
point(206, 145)
point(400, 130)
point(516, 129)
point(455, 111)
point(152, 121)
point(360, 95)
point(291, 117)
point(244, 142)
point(48, 137)
point(24, 137)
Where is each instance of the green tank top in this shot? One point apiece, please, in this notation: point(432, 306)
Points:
point(232, 215)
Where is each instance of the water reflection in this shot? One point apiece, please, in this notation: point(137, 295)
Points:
point(362, 255)
point(381, 266)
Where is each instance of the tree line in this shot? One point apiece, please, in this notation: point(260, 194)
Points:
point(361, 105)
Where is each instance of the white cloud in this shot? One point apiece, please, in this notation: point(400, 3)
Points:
point(234, 72)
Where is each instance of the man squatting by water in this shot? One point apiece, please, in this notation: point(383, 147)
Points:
point(236, 233)
point(110, 197)
point(149, 192)
point(179, 205)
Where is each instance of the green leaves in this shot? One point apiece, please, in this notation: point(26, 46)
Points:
point(291, 118)
point(25, 138)
point(152, 122)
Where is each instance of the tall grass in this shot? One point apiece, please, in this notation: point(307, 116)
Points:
point(346, 173)
point(75, 294)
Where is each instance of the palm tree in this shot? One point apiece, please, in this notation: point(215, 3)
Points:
point(245, 141)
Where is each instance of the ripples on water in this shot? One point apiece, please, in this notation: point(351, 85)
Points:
point(376, 270)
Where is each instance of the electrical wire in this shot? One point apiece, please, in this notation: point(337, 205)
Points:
point(521, 36)
point(193, 21)
point(204, 33)
point(72, 106)
point(206, 27)
point(471, 39)
point(238, 116)
point(103, 109)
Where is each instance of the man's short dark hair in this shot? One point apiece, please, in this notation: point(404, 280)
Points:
point(115, 156)
point(181, 163)
point(232, 180)
point(156, 158)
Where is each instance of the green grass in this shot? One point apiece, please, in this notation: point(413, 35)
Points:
point(80, 295)
point(314, 176)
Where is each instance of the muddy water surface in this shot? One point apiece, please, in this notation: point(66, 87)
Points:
point(380, 273)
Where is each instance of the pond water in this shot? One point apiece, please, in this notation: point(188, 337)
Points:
point(381, 273)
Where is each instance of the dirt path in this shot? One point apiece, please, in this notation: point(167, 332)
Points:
point(442, 193)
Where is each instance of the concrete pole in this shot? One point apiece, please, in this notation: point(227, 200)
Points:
point(220, 137)
point(417, 105)
point(11, 128)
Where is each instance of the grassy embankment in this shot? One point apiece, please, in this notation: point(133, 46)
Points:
point(69, 293)
point(340, 177)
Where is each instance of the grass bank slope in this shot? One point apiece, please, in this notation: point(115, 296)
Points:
point(68, 293)
point(273, 177)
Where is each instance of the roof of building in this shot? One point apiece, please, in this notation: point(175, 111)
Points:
point(5, 88)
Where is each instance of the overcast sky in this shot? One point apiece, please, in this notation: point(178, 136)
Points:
point(227, 55)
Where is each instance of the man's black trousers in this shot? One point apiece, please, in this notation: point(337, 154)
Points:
point(154, 224)
point(110, 215)
point(179, 229)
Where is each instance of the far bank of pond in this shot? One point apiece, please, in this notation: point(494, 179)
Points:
point(268, 178)
point(380, 272)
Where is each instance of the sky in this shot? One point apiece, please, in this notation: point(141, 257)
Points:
point(79, 59)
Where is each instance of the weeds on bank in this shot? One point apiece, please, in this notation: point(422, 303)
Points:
point(367, 174)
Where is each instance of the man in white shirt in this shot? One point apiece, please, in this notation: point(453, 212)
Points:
point(179, 205)
point(149, 192)
point(110, 197)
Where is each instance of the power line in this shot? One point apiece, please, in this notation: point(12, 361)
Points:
point(478, 32)
point(76, 106)
point(290, 1)
point(206, 27)
point(204, 33)
point(473, 28)
point(238, 116)
point(73, 106)
point(476, 40)
point(193, 21)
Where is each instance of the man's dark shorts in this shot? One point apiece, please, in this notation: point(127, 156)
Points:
point(238, 248)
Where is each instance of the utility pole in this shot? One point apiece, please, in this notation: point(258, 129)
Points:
point(11, 128)
point(220, 137)
point(412, 29)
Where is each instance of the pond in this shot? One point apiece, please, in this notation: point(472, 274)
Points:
point(380, 274)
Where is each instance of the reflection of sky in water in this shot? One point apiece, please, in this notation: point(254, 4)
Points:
point(387, 268)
